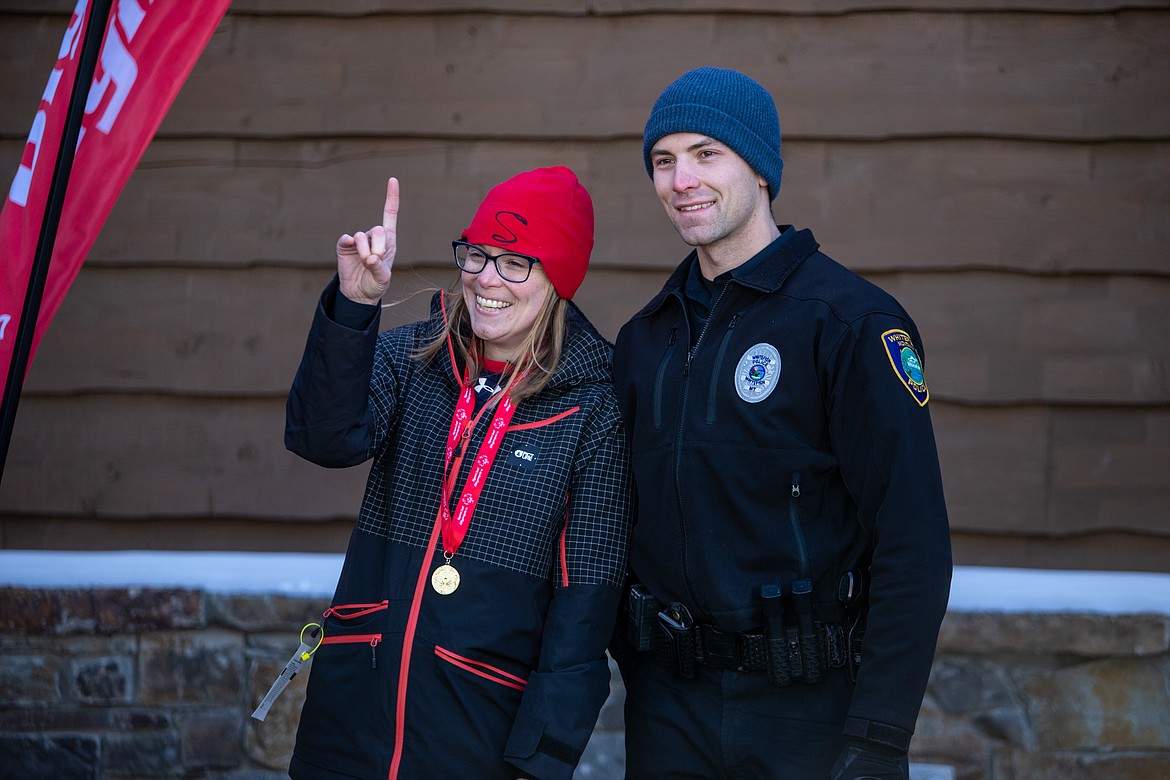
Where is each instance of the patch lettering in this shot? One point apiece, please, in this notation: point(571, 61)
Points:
point(906, 363)
point(524, 456)
point(757, 373)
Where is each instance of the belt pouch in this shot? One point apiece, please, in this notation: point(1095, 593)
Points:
point(642, 618)
point(774, 639)
point(678, 630)
point(810, 658)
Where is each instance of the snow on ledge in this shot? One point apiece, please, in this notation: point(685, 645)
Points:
point(974, 588)
point(291, 574)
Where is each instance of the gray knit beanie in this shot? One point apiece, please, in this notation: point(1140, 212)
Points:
point(728, 106)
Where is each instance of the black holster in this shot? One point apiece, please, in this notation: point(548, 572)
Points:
point(680, 647)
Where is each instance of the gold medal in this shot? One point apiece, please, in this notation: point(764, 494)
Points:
point(445, 580)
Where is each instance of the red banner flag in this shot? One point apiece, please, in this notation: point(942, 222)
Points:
point(149, 48)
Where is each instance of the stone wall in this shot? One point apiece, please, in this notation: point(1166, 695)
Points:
point(155, 682)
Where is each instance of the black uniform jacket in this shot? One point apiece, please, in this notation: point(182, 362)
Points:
point(510, 667)
point(793, 440)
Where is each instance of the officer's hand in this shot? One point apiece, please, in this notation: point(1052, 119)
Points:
point(866, 761)
point(365, 259)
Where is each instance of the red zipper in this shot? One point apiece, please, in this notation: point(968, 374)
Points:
point(351, 611)
point(544, 422)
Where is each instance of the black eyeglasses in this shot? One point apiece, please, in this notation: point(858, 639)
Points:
point(510, 266)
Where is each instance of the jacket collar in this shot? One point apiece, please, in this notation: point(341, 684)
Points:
point(781, 258)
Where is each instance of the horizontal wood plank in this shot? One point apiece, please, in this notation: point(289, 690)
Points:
point(1102, 551)
point(242, 534)
point(873, 75)
point(128, 457)
point(1052, 472)
point(945, 204)
point(206, 333)
point(1016, 339)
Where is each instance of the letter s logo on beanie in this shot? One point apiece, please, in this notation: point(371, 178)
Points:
point(511, 238)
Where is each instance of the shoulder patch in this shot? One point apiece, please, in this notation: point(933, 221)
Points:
point(757, 372)
point(907, 365)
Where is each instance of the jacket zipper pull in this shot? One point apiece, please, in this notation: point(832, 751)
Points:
point(796, 484)
point(374, 652)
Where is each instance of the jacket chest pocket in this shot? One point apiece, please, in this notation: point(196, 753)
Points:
point(353, 633)
point(660, 380)
point(373, 640)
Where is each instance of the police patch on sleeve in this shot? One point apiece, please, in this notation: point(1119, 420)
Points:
point(757, 372)
point(907, 365)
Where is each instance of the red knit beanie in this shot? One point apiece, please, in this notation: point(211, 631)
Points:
point(545, 213)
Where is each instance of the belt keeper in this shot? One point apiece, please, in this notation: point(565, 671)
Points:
point(834, 637)
point(717, 648)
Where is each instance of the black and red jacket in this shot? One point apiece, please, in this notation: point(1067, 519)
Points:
point(791, 439)
point(504, 677)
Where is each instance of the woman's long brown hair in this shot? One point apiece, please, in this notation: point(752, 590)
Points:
point(539, 354)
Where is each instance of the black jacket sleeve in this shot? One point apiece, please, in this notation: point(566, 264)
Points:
point(881, 430)
point(565, 694)
point(328, 419)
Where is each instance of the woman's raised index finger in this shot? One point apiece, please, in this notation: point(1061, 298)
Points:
point(390, 210)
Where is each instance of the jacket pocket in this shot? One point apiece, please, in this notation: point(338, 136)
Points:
point(349, 700)
point(717, 371)
point(660, 378)
point(348, 612)
point(354, 624)
point(482, 669)
point(373, 640)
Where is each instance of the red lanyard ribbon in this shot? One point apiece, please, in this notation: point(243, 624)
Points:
point(462, 424)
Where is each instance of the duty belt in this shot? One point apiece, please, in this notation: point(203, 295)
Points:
point(787, 654)
point(722, 649)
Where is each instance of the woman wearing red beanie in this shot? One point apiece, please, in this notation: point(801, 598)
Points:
point(467, 634)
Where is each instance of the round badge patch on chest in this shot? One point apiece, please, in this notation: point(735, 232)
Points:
point(757, 372)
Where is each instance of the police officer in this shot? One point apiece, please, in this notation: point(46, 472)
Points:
point(791, 561)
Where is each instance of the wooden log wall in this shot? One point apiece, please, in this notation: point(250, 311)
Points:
point(1004, 171)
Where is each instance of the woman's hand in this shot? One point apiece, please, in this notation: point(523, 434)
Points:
point(365, 259)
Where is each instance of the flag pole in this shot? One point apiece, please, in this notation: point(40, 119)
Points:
point(95, 29)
